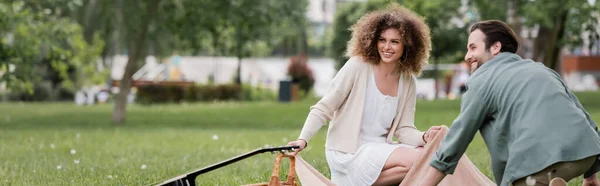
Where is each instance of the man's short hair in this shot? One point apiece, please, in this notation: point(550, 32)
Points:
point(498, 31)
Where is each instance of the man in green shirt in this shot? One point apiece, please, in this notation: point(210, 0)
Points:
point(531, 122)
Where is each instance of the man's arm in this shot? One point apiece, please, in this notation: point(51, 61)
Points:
point(474, 109)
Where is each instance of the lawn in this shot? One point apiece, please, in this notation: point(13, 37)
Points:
point(64, 144)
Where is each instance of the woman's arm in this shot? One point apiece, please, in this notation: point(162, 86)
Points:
point(338, 91)
point(407, 132)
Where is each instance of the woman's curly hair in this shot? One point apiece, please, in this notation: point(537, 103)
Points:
point(414, 32)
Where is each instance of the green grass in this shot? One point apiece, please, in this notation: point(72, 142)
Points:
point(173, 139)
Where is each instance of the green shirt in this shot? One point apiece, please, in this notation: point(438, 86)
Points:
point(527, 117)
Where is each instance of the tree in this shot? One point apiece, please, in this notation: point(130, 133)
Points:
point(139, 26)
point(41, 44)
point(255, 23)
point(448, 40)
point(346, 15)
point(241, 28)
point(560, 27)
point(559, 23)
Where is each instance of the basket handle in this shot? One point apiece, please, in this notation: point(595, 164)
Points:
point(291, 179)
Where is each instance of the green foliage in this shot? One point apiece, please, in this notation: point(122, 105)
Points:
point(250, 93)
point(151, 94)
point(239, 28)
point(301, 73)
point(547, 14)
point(161, 94)
point(42, 45)
point(448, 40)
point(581, 16)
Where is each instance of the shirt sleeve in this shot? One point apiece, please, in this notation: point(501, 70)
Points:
point(338, 91)
point(474, 109)
point(407, 132)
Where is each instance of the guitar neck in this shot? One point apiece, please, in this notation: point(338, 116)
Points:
point(241, 157)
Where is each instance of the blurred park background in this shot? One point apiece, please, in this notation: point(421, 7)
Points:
point(133, 92)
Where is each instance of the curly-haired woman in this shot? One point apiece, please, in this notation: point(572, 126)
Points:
point(372, 99)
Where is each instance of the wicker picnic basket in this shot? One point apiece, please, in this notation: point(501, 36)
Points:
point(275, 181)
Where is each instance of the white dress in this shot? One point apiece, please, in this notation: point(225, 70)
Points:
point(364, 166)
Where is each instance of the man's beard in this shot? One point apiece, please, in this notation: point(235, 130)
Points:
point(476, 65)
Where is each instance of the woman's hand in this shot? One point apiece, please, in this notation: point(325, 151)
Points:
point(429, 134)
point(300, 142)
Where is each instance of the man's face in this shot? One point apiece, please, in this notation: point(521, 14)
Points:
point(477, 54)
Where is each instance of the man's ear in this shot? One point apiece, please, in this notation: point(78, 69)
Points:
point(495, 48)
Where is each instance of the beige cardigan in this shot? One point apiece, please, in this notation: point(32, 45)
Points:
point(344, 102)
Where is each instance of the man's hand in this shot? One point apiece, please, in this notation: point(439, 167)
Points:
point(431, 133)
point(300, 142)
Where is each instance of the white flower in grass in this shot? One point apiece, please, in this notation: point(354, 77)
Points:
point(77, 135)
point(215, 137)
point(76, 161)
point(73, 151)
point(110, 177)
point(284, 140)
point(530, 181)
point(33, 171)
point(51, 145)
point(143, 166)
point(59, 167)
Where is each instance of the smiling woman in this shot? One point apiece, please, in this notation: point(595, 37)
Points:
point(372, 100)
point(404, 31)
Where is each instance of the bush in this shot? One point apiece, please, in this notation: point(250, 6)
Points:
point(300, 73)
point(216, 92)
point(42, 91)
point(250, 93)
point(149, 94)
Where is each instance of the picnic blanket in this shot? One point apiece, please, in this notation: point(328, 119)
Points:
point(466, 172)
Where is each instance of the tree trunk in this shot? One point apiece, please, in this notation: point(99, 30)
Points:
point(137, 53)
point(88, 16)
point(540, 44)
point(240, 46)
point(303, 48)
point(553, 48)
point(215, 45)
point(435, 78)
point(514, 21)
point(238, 77)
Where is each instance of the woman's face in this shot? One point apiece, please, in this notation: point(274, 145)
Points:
point(390, 46)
